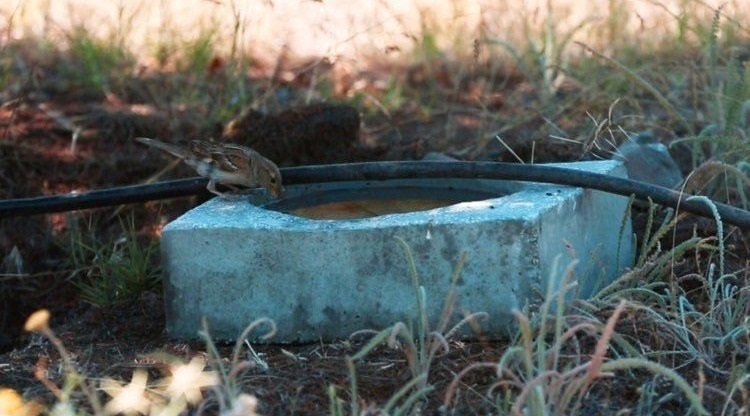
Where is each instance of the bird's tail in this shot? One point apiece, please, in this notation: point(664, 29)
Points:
point(179, 151)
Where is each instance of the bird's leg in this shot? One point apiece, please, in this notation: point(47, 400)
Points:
point(226, 196)
point(212, 188)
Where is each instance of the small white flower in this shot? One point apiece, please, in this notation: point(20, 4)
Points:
point(189, 379)
point(130, 399)
point(244, 405)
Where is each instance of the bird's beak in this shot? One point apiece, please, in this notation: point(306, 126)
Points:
point(276, 191)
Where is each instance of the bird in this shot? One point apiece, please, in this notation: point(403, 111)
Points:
point(225, 163)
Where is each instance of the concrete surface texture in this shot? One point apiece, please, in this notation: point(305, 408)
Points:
point(233, 262)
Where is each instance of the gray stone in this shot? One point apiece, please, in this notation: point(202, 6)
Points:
point(649, 161)
point(233, 262)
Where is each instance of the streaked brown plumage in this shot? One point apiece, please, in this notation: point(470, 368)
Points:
point(228, 164)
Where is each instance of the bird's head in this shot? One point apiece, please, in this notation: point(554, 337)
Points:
point(273, 181)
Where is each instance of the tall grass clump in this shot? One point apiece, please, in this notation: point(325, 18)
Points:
point(106, 272)
point(560, 356)
point(727, 132)
point(697, 320)
point(100, 65)
point(226, 377)
point(544, 59)
point(210, 78)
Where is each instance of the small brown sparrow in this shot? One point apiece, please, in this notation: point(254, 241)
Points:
point(228, 164)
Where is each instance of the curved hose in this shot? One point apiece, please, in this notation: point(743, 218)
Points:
point(384, 171)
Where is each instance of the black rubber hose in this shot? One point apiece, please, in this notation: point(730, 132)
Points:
point(374, 171)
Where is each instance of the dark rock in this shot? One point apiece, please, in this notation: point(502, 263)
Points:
point(315, 134)
point(647, 160)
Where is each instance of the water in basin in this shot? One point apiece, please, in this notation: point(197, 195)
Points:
point(367, 202)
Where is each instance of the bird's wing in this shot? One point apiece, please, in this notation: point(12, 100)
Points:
point(203, 149)
point(239, 156)
point(177, 150)
point(229, 158)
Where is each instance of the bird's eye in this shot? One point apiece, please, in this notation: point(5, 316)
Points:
point(273, 179)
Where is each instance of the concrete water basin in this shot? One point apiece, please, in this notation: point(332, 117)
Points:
point(323, 261)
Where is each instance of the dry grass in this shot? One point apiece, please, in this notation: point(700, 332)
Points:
point(344, 32)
